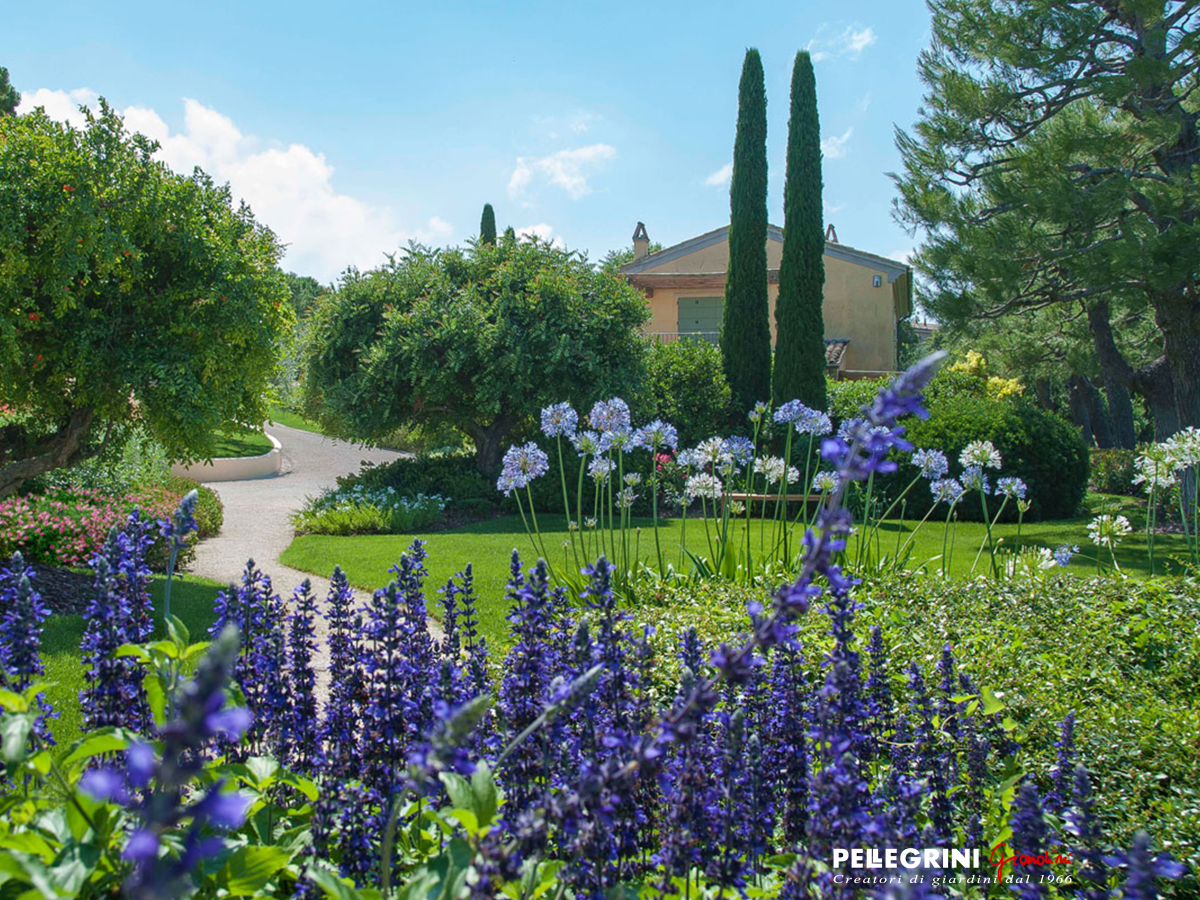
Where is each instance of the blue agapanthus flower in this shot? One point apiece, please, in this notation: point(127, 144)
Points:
point(609, 415)
point(522, 464)
point(740, 448)
point(813, 422)
point(1063, 554)
point(975, 479)
point(946, 490)
point(932, 463)
point(791, 412)
point(656, 435)
point(559, 420)
point(1011, 487)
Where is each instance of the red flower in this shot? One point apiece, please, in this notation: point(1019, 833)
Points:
point(34, 317)
point(68, 189)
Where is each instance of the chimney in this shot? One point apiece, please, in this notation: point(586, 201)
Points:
point(831, 234)
point(641, 242)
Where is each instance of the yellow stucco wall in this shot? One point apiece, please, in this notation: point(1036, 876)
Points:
point(854, 309)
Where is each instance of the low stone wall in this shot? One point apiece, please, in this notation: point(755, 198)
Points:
point(241, 468)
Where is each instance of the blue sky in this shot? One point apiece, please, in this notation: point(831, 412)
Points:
point(353, 128)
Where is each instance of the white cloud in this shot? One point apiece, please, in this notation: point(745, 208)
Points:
point(721, 176)
point(832, 209)
point(567, 169)
point(904, 256)
point(62, 106)
point(834, 146)
point(290, 188)
point(543, 232)
point(848, 44)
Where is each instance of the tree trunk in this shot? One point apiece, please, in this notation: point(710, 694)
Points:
point(63, 448)
point(1178, 317)
point(1155, 385)
point(1116, 374)
point(1101, 427)
point(1079, 409)
point(1045, 399)
point(489, 441)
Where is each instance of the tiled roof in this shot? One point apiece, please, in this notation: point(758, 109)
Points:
point(835, 349)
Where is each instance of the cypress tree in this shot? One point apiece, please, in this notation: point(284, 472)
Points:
point(745, 323)
point(487, 225)
point(799, 372)
point(9, 98)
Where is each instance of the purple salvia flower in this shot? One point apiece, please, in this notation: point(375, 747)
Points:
point(1064, 763)
point(1142, 870)
point(339, 729)
point(299, 724)
point(1031, 837)
point(22, 615)
point(1087, 839)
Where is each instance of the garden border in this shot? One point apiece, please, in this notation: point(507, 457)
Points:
point(235, 468)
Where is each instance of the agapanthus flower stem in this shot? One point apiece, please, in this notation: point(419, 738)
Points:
point(562, 476)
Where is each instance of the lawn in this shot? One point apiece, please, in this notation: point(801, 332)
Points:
point(241, 443)
point(281, 416)
point(488, 545)
point(191, 601)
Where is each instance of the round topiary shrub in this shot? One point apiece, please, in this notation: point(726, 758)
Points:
point(688, 389)
point(1040, 448)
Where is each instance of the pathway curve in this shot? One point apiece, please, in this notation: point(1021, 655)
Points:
point(258, 512)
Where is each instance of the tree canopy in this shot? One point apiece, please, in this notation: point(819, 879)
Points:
point(481, 338)
point(1055, 162)
point(799, 369)
point(131, 295)
point(9, 97)
point(745, 320)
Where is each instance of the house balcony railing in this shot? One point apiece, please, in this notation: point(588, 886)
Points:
point(670, 337)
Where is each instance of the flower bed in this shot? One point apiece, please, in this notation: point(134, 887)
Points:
point(67, 525)
point(360, 510)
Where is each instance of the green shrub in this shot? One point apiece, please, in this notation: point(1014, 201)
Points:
point(1037, 446)
point(688, 389)
point(1113, 471)
point(210, 512)
point(1121, 654)
point(357, 509)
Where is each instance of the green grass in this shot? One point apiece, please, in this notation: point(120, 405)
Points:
point(242, 443)
point(281, 416)
point(488, 546)
point(191, 601)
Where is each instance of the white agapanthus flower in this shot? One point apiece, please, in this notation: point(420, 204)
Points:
point(980, 453)
point(1184, 447)
point(771, 468)
point(1108, 531)
point(825, 482)
point(702, 485)
point(1156, 468)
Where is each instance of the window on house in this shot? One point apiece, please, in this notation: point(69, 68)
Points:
point(700, 318)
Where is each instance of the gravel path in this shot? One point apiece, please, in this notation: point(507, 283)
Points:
point(258, 513)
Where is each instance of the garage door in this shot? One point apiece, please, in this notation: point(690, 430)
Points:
point(700, 316)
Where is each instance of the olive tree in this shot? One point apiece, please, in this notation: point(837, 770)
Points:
point(479, 338)
point(129, 294)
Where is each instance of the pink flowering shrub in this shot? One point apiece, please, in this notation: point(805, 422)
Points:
point(66, 526)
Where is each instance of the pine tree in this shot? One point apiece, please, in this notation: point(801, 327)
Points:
point(487, 225)
point(9, 98)
point(799, 371)
point(745, 326)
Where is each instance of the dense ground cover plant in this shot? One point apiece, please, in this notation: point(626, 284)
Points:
point(359, 510)
point(1121, 654)
point(1113, 471)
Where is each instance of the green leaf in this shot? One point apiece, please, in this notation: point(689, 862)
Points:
point(262, 770)
point(14, 736)
point(250, 868)
point(74, 867)
point(459, 791)
point(156, 697)
point(484, 787)
point(991, 703)
point(95, 744)
point(334, 886)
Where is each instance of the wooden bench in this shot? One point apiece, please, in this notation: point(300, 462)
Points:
point(787, 498)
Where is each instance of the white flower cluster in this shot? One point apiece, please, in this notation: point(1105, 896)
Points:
point(1160, 465)
point(386, 499)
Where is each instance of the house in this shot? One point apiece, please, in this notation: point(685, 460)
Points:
point(865, 295)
